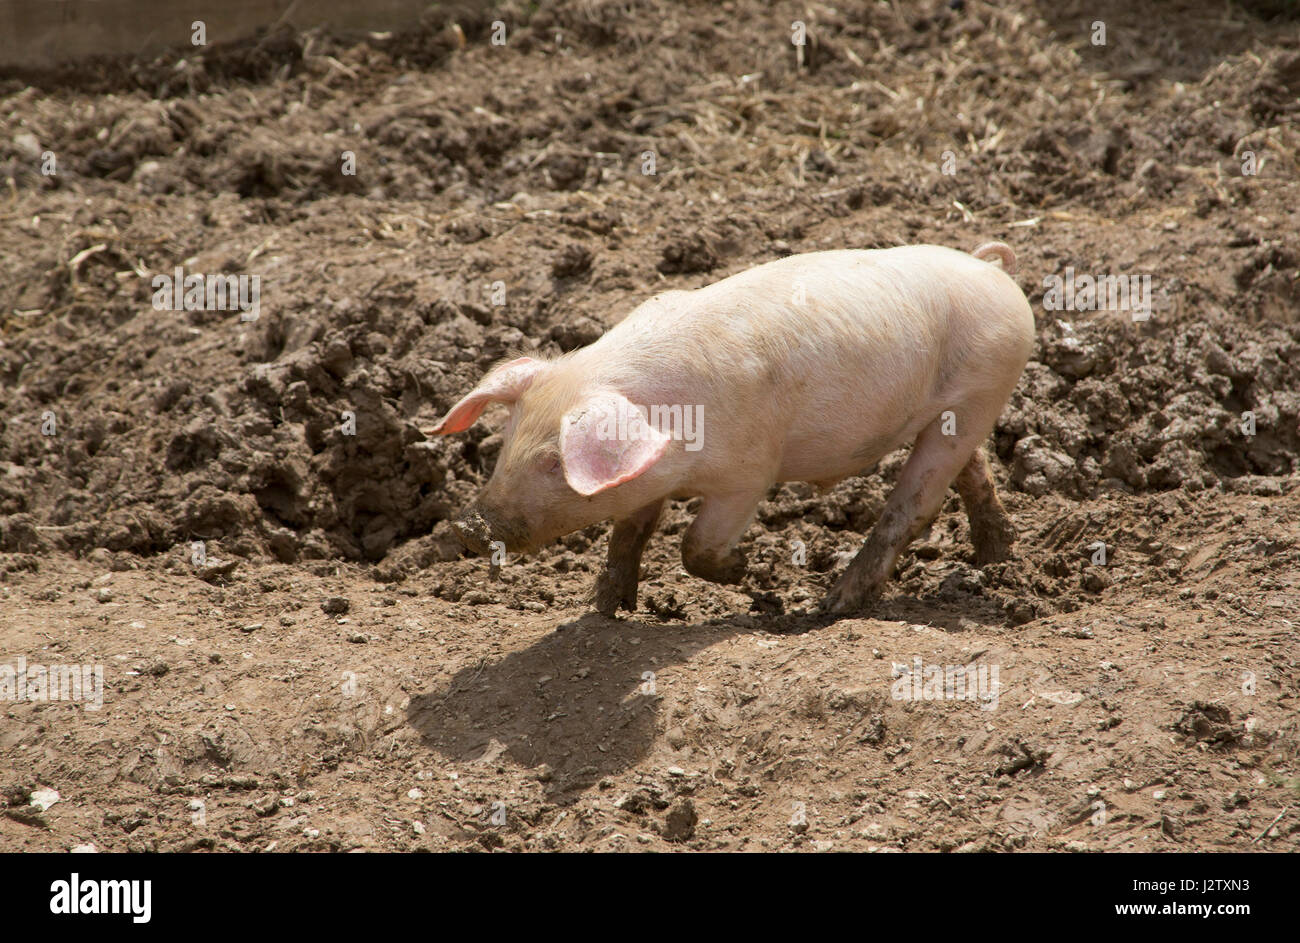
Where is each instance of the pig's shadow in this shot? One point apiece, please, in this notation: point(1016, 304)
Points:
point(578, 701)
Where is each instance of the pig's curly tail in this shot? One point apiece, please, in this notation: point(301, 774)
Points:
point(1003, 253)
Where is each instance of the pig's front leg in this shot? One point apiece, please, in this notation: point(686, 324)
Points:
point(616, 585)
point(709, 548)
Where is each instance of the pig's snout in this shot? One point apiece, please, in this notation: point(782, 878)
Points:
point(478, 529)
point(474, 532)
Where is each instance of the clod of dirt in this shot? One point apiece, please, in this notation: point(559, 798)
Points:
point(15, 794)
point(641, 801)
point(1020, 756)
point(666, 607)
point(335, 605)
point(577, 333)
point(29, 815)
point(679, 824)
point(1211, 723)
point(874, 732)
point(218, 573)
point(686, 254)
point(573, 260)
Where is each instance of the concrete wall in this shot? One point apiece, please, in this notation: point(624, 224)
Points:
point(42, 33)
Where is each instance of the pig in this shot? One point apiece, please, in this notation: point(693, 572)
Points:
point(808, 368)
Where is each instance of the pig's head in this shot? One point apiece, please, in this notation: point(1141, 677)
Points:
point(566, 460)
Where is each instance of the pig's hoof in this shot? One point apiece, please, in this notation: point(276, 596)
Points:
point(611, 592)
point(846, 598)
point(993, 536)
point(730, 570)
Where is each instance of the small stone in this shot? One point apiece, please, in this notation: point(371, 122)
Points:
point(86, 849)
point(251, 627)
point(573, 260)
point(103, 594)
point(156, 668)
point(27, 145)
point(42, 799)
point(335, 605)
point(1095, 580)
point(218, 573)
point(633, 802)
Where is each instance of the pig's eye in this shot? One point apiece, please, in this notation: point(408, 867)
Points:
point(549, 464)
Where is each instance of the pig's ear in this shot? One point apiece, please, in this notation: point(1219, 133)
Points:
point(599, 451)
point(503, 384)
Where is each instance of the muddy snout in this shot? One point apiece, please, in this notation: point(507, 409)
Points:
point(474, 532)
point(479, 528)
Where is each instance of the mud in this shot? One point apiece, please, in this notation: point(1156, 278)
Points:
point(291, 635)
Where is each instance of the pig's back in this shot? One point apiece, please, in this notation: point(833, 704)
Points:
point(825, 357)
point(835, 313)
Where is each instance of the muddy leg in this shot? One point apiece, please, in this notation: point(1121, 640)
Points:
point(991, 530)
point(616, 585)
point(709, 547)
point(915, 501)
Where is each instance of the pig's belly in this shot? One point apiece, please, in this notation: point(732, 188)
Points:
point(825, 464)
point(825, 453)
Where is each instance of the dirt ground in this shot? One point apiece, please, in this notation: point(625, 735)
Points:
point(329, 672)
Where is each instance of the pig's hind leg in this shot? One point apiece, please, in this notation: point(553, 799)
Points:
point(617, 583)
point(991, 530)
point(935, 462)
